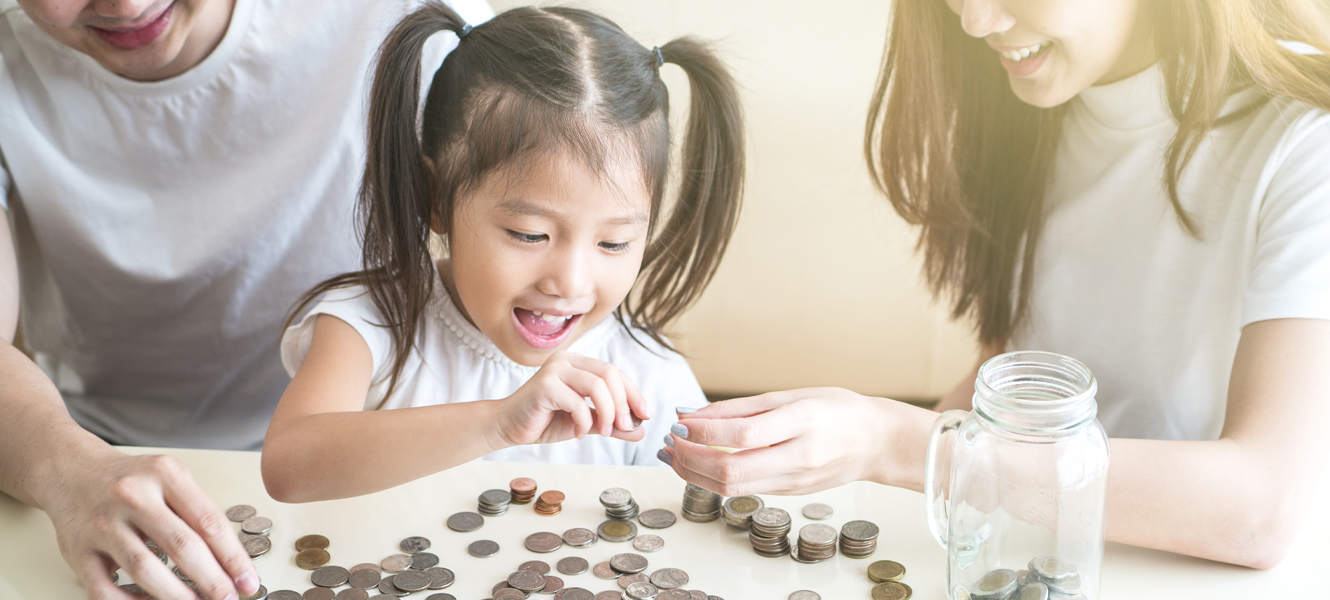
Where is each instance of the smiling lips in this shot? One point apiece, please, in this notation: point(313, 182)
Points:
point(133, 39)
point(543, 331)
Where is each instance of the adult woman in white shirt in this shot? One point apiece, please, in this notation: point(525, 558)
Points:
point(1144, 186)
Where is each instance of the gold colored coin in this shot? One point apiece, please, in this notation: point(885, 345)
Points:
point(886, 570)
point(892, 590)
point(617, 529)
point(312, 541)
point(744, 505)
point(312, 558)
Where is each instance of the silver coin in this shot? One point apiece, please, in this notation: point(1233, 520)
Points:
point(509, 594)
point(538, 566)
point(285, 595)
point(352, 594)
point(615, 497)
point(656, 518)
point(387, 586)
point(319, 593)
point(996, 585)
point(256, 545)
point(648, 543)
point(641, 591)
point(423, 560)
point(859, 531)
point(669, 578)
point(411, 581)
point(526, 581)
point(543, 542)
point(240, 512)
point(483, 548)
point(180, 574)
point(465, 521)
point(1032, 591)
point(674, 595)
point(817, 511)
point(574, 593)
point(805, 595)
point(495, 497)
point(609, 595)
point(603, 570)
point(552, 585)
point(771, 518)
point(1051, 567)
point(627, 580)
point(579, 537)
point(396, 563)
point(329, 577)
point(441, 596)
point(364, 578)
point(817, 534)
point(629, 563)
point(414, 544)
point(376, 568)
point(256, 525)
point(440, 577)
point(573, 565)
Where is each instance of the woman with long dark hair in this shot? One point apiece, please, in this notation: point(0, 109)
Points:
point(1144, 186)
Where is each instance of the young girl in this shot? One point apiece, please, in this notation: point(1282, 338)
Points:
point(1142, 185)
point(540, 161)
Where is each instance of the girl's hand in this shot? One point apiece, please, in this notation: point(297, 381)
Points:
point(552, 406)
point(800, 441)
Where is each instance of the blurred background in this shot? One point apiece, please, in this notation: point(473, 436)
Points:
point(821, 285)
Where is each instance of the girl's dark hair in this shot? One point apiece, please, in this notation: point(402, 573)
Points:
point(528, 82)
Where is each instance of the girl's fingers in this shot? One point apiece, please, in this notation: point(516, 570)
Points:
point(593, 386)
point(569, 400)
point(636, 401)
point(618, 385)
point(223, 548)
point(771, 475)
point(764, 429)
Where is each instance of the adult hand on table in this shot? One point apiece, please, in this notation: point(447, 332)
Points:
point(800, 441)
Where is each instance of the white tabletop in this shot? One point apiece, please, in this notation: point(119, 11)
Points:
point(718, 560)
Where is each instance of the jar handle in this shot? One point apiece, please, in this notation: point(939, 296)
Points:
point(933, 496)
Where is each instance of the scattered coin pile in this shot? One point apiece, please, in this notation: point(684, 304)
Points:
point(858, 539)
point(887, 574)
point(522, 490)
point(738, 511)
point(254, 531)
point(619, 504)
point(817, 542)
point(701, 505)
point(770, 532)
point(493, 503)
point(550, 503)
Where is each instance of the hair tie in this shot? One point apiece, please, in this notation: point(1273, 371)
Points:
point(465, 30)
point(660, 58)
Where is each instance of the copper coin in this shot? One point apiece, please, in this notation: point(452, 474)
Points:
point(364, 578)
point(573, 565)
point(424, 560)
point(414, 544)
point(411, 581)
point(552, 497)
point(256, 525)
point(256, 545)
point(538, 566)
point(669, 578)
point(465, 521)
point(319, 593)
point(396, 563)
point(329, 577)
point(312, 559)
point(523, 484)
point(352, 594)
point(603, 570)
point(312, 541)
point(440, 577)
point(240, 512)
point(483, 548)
point(543, 542)
point(628, 580)
point(892, 590)
point(886, 570)
point(552, 584)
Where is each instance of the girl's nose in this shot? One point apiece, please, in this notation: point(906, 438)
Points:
point(568, 275)
point(980, 18)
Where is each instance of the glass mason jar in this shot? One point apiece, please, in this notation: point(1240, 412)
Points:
point(1022, 513)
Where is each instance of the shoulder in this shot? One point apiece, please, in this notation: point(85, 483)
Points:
point(352, 305)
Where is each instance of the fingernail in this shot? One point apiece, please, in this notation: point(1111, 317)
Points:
point(685, 410)
point(665, 457)
point(669, 441)
point(680, 430)
point(248, 583)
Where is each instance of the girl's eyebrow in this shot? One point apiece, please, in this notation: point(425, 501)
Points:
point(522, 208)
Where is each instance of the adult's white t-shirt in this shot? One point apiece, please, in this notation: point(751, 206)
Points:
point(1155, 312)
point(164, 229)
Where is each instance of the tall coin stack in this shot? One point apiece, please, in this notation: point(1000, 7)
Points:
point(770, 532)
point(549, 503)
point(619, 504)
point(858, 539)
point(738, 511)
point(817, 542)
point(701, 505)
point(522, 490)
point(493, 503)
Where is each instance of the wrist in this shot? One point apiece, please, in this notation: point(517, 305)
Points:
point(904, 436)
point(491, 413)
point(65, 464)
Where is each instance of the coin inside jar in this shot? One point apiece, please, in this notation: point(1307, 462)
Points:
point(886, 570)
point(465, 521)
point(312, 559)
point(329, 577)
point(543, 542)
point(892, 590)
point(572, 565)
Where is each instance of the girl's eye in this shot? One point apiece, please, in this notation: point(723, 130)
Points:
point(614, 246)
point(528, 238)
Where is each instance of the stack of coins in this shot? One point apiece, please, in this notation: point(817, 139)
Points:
point(817, 542)
point(493, 503)
point(701, 505)
point(770, 532)
point(738, 511)
point(1059, 576)
point(522, 490)
point(858, 539)
point(549, 503)
point(254, 531)
point(619, 504)
point(580, 537)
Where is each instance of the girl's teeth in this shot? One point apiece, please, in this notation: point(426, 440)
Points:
point(547, 318)
point(1023, 53)
point(536, 312)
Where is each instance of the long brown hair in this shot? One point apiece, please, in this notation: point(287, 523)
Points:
point(528, 82)
point(957, 152)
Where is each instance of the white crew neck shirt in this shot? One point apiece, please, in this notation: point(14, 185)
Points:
point(455, 362)
point(163, 229)
point(1153, 311)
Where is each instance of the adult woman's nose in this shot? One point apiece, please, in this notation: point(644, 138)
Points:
point(980, 18)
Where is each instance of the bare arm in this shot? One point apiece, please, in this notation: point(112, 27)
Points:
point(101, 501)
point(322, 444)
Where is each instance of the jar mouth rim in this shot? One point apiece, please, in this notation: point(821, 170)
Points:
point(1074, 382)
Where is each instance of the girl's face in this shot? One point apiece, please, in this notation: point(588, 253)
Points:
point(540, 256)
point(1055, 49)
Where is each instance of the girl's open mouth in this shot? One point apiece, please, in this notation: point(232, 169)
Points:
point(543, 330)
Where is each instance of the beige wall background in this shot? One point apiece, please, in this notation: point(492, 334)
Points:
point(821, 286)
